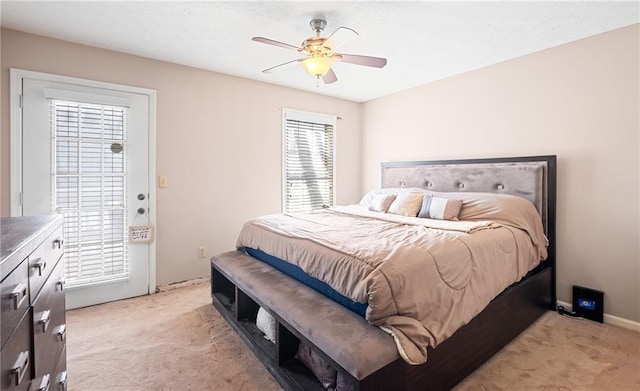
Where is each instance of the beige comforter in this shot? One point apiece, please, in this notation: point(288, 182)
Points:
point(423, 279)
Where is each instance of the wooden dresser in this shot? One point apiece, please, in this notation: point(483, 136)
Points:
point(32, 321)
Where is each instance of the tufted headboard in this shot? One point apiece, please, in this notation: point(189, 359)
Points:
point(531, 177)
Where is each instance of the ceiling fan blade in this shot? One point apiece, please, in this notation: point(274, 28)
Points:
point(376, 62)
point(330, 77)
point(275, 43)
point(341, 36)
point(277, 67)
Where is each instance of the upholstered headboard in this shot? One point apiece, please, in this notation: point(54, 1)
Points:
point(531, 177)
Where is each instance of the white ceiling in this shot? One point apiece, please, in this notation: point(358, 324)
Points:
point(423, 41)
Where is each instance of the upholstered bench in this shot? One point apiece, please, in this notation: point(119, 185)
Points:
point(241, 284)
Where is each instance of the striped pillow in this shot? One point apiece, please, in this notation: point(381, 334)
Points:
point(440, 208)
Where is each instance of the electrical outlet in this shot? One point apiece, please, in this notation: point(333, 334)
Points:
point(163, 182)
point(202, 252)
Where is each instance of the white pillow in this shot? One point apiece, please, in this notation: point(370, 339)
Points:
point(382, 202)
point(267, 324)
point(367, 200)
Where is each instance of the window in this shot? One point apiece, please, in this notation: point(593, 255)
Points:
point(89, 189)
point(308, 160)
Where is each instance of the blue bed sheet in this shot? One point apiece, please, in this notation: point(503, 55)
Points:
point(298, 274)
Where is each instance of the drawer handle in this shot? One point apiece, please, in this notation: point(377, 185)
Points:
point(40, 264)
point(61, 332)
point(43, 386)
point(20, 367)
point(58, 242)
point(60, 284)
point(62, 382)
point(45, 318)
point(19, 290)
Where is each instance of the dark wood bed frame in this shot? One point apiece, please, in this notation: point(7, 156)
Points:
point(500, 322)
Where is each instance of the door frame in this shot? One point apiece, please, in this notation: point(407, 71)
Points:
point(15, 152)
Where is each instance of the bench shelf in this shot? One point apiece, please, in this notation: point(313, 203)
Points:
point(240, 311)
point(240, 285)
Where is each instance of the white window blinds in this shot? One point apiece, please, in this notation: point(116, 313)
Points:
point(308, 161)
point(88, 166)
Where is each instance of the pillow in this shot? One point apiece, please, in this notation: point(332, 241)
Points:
point(382, 202)
point(325, 373)
point(440, 208)
point(267, 324)
point(367, 200)
point(509, 210)
point(407, 203)
point(343, 383)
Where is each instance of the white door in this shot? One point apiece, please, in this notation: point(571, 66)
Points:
point(86, 155)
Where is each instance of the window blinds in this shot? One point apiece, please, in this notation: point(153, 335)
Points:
point(89, 168)
point(308, 165)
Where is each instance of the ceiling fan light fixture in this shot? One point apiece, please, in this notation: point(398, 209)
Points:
point(319, 52)
point(317, 66)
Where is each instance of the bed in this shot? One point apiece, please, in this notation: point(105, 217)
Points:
point(407, 346)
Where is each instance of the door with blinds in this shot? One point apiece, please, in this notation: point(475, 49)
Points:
point(85, 155)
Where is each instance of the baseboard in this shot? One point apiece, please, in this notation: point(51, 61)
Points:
point(182, 284)
point(610, 319)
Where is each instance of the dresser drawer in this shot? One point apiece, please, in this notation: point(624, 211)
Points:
point(60, 378)
point(49, 328)
point(16, 358)
point(15, 300)
point(42, 261)
point(56, 381)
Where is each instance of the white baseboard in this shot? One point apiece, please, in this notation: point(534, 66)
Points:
point(610, 319)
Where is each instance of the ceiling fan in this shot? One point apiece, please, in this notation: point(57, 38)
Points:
point(320, 54)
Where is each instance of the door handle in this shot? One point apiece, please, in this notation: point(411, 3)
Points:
point(19, 290)
point(43, 386)
point(20, 367)
point(61, 332)
point(62, 381)
point(45, 318)
point(58, 243)
point(40, 264)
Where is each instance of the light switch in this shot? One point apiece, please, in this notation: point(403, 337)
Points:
point(163, 181)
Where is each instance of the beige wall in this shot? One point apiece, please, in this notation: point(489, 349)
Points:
point(578, 101)
point(218, 142)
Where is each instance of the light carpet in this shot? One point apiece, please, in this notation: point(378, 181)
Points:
point(176, 341)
